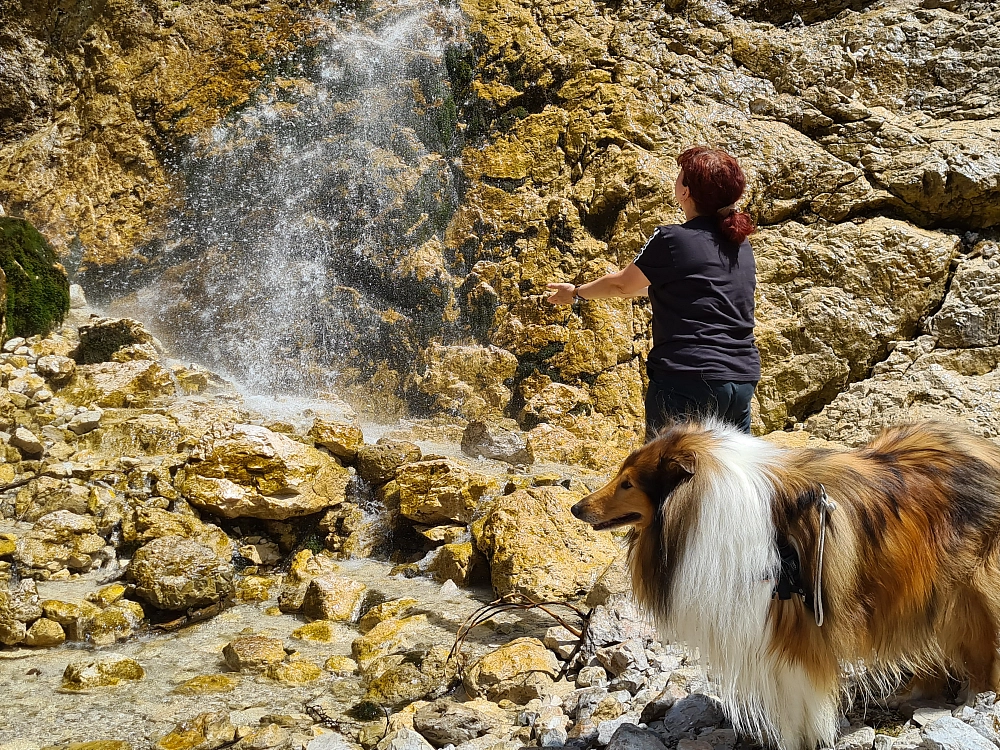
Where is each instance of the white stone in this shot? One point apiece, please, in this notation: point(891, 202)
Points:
point(951, 734)
point(861, 738)
point(85, 422)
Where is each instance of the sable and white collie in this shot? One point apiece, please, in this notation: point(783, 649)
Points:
point(898, 574)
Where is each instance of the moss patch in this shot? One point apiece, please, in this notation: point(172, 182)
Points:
point(37, 287)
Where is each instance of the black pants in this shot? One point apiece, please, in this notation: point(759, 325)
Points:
point(673, 397)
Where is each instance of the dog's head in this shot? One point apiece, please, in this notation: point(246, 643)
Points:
point(646, 480)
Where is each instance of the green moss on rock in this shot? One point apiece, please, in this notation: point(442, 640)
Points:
point(37, 286)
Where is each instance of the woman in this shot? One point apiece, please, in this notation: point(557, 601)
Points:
point(700, 278)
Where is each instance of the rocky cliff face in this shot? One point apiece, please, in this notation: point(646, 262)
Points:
point(869, 132)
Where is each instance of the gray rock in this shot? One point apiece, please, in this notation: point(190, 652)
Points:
point(616, 659)
point(925, 715)
point(657, 708)
point(403, 739)
point(445, 722)
point(607, 730)
point(951, 734)
point(857, 738)
point(561, 641)
point(631, 737)
point(689, 715)
point(631, 680)
point(550, 727)
point(331, 741)
point(13, 344)
point(591, 677)
point(617, 621)
point(495, 442)
point(884, 742)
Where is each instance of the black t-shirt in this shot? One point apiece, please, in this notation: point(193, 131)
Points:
point(701, 287)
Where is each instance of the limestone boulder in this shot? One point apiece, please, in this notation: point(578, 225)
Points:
point(394, 608)
point(333, 597)
point(253, 653)
point(495, 442)
point(442, 490)
point(108, 671)
point(117, 385)
point(536, 547)
point(104, 339)
point(62, 539)
point(401, 679)
point(378, 464)
point(55, 368)
point(44, 632)
point(468, 380)
point(207, 730)
point(342, 438)
point(388, 637)
point(249, 471)
point(12, 630)
point(445, 722)
point(175, 573)
point(518, 671)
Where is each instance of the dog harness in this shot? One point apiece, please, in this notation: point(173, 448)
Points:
point(790, 574)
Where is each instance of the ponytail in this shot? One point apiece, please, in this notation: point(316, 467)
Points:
point(736, 226)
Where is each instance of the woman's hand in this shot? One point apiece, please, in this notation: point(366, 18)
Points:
point(562, 294)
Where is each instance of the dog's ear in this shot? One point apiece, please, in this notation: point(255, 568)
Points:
point(685, 460)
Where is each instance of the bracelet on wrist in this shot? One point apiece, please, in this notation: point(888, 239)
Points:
point(576, 295)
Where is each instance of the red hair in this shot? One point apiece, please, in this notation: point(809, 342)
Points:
point(717, 182)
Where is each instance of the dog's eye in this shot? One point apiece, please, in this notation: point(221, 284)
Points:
point(626, 485)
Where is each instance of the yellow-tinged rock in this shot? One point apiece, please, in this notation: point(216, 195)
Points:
point(387, 637)
point(333, 597)
point(248, 470)
point(108, 595)
point(294, 672)
point(44, 632)
point(391, 609)
point(104, 672)
point(107, 626)
point(518, 671)
point(306, 566)
point(207, 684)
point(67, 613)
point(342, 665)
point(341, 438)
point(457, 562)
point(442, 490)
point(320, 630)
point(254, 588)
point(117, 385)
point(253, 653)
point(8, 543)
point(536, 546)
point(207, 730)
point(99, 745)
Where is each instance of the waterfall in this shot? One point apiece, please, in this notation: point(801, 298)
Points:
point(284, 267)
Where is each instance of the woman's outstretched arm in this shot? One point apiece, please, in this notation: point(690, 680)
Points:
point(629, 282)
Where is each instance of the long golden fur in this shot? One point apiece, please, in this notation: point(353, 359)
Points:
point(910, 569)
